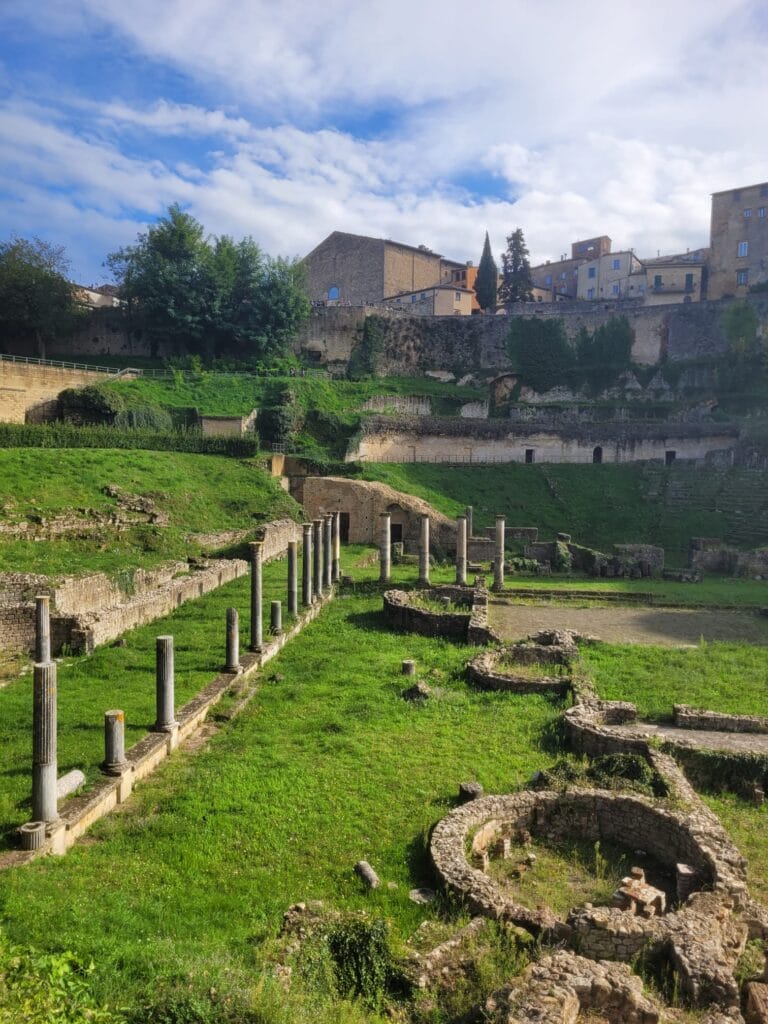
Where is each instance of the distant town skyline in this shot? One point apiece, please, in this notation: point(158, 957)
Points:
point(425, 123)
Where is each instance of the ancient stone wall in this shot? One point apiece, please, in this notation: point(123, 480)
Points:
point(364, 502)
point(686, 717)
point(28, 391)
point(454, 440)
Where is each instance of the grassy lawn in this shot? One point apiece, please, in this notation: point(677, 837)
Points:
point(328, 765)
point(598, 505)
point(716, 676)
point(200, 493)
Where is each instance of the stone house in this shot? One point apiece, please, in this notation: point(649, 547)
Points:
point(612, 275)
point(681, 278)
point(448, 299)
point(738, 257)
point(347, 269)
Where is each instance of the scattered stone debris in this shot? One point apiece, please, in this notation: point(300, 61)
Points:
point(418, 693)
point(365, 872)
point(470, 790)
point(422, 895)
point(636, 896)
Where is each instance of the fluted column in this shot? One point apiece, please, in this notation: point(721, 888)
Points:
point(42, 629)
point(328, 551)
point(44, 766)
point(306, 565)
point(257, 594)
point(233, 641)
point(164, 685)
point(498, 564)
point(385, 548)
point(293, 578)
point(461, 550)
point(424, 551)
point(336, 547)
point(317, 550)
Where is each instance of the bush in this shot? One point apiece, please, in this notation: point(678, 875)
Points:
point(366, 356)
point(362, 960)
point(539, 349)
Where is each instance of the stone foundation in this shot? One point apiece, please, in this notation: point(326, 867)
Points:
point(470, 626)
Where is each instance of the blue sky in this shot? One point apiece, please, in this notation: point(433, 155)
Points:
point(426, 122)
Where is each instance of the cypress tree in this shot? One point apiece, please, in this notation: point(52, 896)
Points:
point(487, 278)
point(517, 284)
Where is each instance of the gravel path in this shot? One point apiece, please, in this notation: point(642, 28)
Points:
point(668, 627)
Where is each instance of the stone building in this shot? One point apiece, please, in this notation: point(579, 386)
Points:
point(612, 275)
point(738, 256)
point(347, 269)
point(450, 299)
point(680, 278)
point(557, 280)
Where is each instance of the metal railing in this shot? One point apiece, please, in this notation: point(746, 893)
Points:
point(164, 373)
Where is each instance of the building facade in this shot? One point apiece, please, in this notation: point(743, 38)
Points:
point(671, 279)
point(356, 270)
point(447, 299)
point(612, 275)
point(738, 257)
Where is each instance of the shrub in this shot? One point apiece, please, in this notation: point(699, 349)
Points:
point(65, 435)
point(362, 960)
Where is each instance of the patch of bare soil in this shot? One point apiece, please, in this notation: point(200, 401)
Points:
point(668, 627)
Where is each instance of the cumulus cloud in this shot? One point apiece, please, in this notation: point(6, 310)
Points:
point(289, 121)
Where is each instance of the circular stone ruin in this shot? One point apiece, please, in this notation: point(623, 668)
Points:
point(540, 663)
point(434, 611)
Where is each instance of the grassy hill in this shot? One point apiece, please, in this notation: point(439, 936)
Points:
point(199, 493)
point(598, 505)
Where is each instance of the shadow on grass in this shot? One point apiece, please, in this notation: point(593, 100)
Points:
point(372, 622)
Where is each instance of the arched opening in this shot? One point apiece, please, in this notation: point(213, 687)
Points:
point(669, 457)
point(597, 454)
point(333, 293)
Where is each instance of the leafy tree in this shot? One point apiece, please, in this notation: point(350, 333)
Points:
point(486, 282)
point(740, 323)
point(605, 354)
point(540, 352)
point(37, 302)
point(517, 283)
point(209, 297)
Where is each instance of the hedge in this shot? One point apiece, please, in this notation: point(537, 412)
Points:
point(64, 435)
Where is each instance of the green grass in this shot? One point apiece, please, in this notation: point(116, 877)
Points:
point(328, 765)
point(716, 676)
point(598, 505)
point(200, 493)
point(236, 394)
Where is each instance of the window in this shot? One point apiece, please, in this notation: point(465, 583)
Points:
point(423, 295)
point(743, 249)
point(742, 277)
point(617, 264)
point(333, 293)
point(748, 213)
point(590, 293)
point(548, 279)
point(457, 296)
point(591, 272)
point(615, 289)
point(669, 457)
point(657, 281)
point(761, 211)
point(529, 453)
point(414, 298)
point(689, 282)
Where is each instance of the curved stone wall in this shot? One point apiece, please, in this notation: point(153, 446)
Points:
point(486, 673)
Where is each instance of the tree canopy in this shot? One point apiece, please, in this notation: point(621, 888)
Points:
point(517, 283)
point(37, 302)
point(540, 351)
point(486, 282)
point(209, 296)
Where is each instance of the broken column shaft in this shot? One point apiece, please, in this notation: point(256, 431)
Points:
point(114, 742)
point(424, 551)
point(164, 684)
point(317, 550)
point(257, 595)
point(42, 629)
point(385, 548)
point(233, 641)
point(328, 551)
point(293, 578)
point(44, 767)
point(498, 564)
point(461, 550)
point(306, 565)
point(336, 547)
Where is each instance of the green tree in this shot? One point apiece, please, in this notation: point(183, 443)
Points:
point(209, 297)
point(540, 352)
point(516, 283)
point(37, 302)
point(486, 282)
point(605, 354)
point(740, 323)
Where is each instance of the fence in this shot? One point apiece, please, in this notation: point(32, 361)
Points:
point(162, 373)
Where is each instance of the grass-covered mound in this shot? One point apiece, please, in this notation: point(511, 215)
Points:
point(598, 505)
point(200, 494)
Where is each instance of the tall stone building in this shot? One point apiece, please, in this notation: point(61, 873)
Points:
point(738, 255)
point(347, 269)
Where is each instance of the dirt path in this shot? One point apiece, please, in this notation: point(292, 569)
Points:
point(668, 627)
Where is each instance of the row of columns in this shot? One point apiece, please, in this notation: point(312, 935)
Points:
point(321, 568)
point(464, 525)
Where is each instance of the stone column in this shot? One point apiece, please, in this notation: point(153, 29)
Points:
point(42, 629)
point(164, 684)
point(293, 578)
point(276, 618)
point(385, 548)
point(233, 641)
point(424, 552)
point(461, 550)
point(257, 593)
point(336, 547)
point(317, 550)
point(469, 512)
point(306, 565)
point(44, 766)
point(114, 743)
point(498, 564)
point(328, 552)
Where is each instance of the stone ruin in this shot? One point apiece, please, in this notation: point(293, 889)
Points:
point(464, 613)
point(496, 669)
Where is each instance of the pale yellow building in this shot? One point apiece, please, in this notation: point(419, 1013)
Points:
point(448, 299)
point(613, 275)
